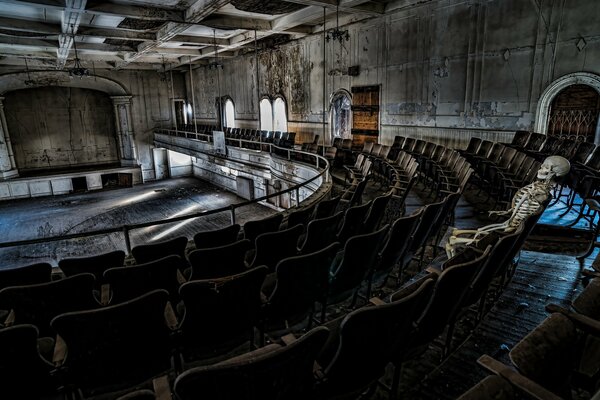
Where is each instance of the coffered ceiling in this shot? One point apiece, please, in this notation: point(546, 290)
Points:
point(169, 34)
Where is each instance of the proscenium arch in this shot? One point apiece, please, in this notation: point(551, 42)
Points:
point(545, 102)
point(37, 79)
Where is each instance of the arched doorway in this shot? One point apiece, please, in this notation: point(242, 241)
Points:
point(341, 115)
point(574, 113)
point(544, 108)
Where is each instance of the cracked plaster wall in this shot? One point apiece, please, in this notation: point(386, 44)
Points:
point(448, 69)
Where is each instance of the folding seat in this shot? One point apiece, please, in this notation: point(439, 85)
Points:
point(418, 148)
point(95, 265)
point(350, 169)
point(269, 373)
point(353, 194)
point(26, 374)
point(126, 283)
point(352, 224)
point(26, 275)
point(430, 214)
point(271, 247)
point(218, 262)
point(567, 148)
point(300, 282)
point(320, 232)
point(409, 144)
point(38, 304)
point(545, 361)
point(582, 153)
point(254, 228)
point(375, 150)
point(472, 147)
point(359, 257)
point(220, 314)
point(396, 147)
point(331, 155)
point(535, 142)
point(362, 344)
point(217, 237)
point(115, 347)
point(153, 251)
point(290, 141)
point(337, 142)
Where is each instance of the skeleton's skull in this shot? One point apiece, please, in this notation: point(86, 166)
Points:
point(553, 166)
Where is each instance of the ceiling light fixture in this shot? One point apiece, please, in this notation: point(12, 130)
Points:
point(337, 33)
point(77, 70)
point(215, 64)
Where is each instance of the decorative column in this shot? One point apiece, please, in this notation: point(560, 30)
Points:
point(125, 136)
point(8, 167)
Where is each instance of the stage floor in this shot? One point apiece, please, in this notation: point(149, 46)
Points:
point(59, 215)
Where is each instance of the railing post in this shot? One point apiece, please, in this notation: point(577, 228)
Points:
point(232, 214)
point(297, 197)
point(127, 239)
point(289, 154)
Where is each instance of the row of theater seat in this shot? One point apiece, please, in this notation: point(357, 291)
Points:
point(291, 288)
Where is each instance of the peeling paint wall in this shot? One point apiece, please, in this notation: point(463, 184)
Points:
point(447, 68)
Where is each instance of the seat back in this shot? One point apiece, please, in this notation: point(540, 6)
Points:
point(271, 247)
point(25, 373)
point(149, 252)
point(326, 208)
point(220, 313)
point(397, 240)
point(38, 304)
point(448, 293)
point(582, 152)
point(367, 147)
point(26, 275)
point(301, 281)
point(473, 145)
point(129, 282)
point(282, 373)
point(254, 228)
point(520, 138)
point(376, 212)
point(300, 216)
point(321, 232)
point(217, 237)
point(95, 265)
point(360, 254)
point(117, 346)
point(428, 149)
point(535, 141)
point(516, 162)
point(508, 155)
point(419, 146)
point(368, 339)
point(484, 148)
point(593, 161)
point(409, 144)
point(217, 262)
point(353, 222)
point(430, 213)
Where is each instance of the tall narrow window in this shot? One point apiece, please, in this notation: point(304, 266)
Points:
point(279, 115)
point(229, 116)
point(266, 115)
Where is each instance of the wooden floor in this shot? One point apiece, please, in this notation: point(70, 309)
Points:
point(540, 278)
point(50, 216)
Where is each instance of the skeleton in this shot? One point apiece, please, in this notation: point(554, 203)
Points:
point(526, 202)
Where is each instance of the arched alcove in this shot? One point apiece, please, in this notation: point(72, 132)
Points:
point(340, 104)
point(545, 102)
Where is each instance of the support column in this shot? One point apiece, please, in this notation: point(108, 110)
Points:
point(125, 136)
point(8, 167)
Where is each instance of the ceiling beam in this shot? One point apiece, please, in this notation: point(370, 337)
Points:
point(69, 25)
point(371, 9)
point(136, 12)
point(199, 10)
point(22, 25)
point(200, 40)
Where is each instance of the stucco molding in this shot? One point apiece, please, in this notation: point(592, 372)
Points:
point(36, 79)
point(543, 108)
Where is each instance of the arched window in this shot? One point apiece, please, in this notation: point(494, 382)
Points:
point(229, 114)
point(279, 115)
point(341, 114)
point(266, 115)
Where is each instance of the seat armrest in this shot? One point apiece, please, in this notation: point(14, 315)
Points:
point(104, 294)
point(376, 301)
point(60, 351)
point(521, 382)
point(170, 316)
point(161, 387)
point(289, 339)
point(585, 323)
